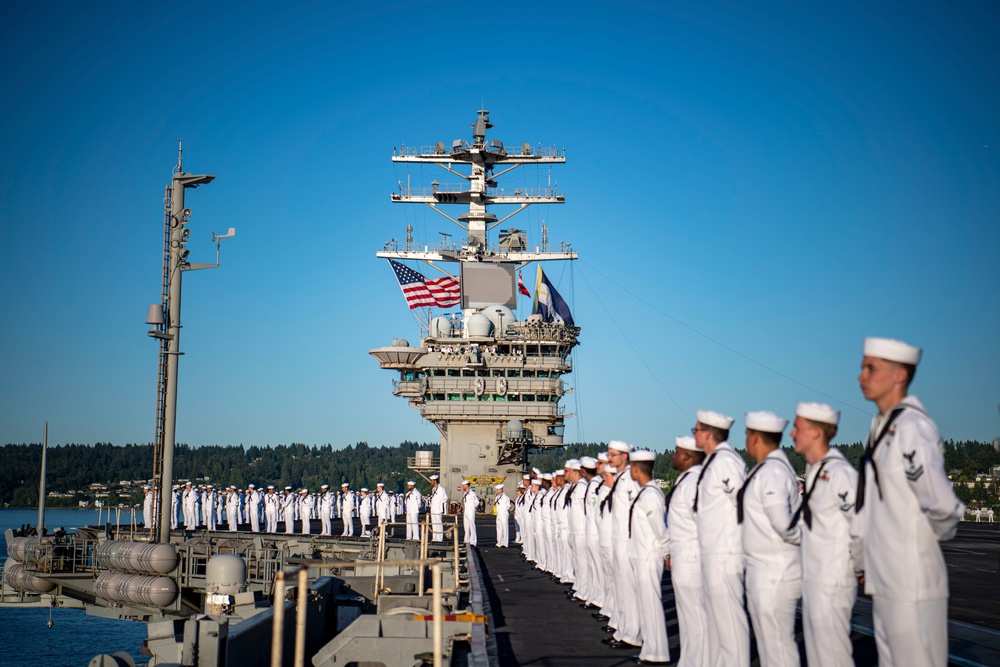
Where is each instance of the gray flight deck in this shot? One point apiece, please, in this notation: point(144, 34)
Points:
point(535, 625)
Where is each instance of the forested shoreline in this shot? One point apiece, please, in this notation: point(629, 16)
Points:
point(75, 468)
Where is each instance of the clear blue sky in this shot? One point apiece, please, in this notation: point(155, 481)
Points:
point(752, 187)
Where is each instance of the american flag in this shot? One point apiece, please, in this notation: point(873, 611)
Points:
point(419, 291)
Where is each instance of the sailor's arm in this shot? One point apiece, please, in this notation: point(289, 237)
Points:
point(922, 451)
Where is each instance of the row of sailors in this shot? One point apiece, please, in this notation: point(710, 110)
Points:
point(204, 507)
point(604, 527)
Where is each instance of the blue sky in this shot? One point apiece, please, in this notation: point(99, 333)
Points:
point(752, 188)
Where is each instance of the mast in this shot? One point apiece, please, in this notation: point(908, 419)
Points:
point(489, 383)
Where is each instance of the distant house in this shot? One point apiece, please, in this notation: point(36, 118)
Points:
point(84, 504)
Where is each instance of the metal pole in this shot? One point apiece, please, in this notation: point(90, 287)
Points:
point(278, 628)
point(41, 485)
point(436, 605)
point(300, 618)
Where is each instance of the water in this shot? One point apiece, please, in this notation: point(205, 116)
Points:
point(76, 637)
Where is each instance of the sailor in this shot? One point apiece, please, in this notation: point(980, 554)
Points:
point(306, 510)
point(175, 505)
point(413, 500)
point(502, 503)
point(625, 619)
point(210, 502)
point(829, 539)
point(590, 589)
point(720, 541)
point(288, 504)
point(439, 503)
point(326, 503)
point(519, 507)
point(147, 506)
point(765, 506)
point(381, 505)
point(272, 505)
point(233, 508)
point(605, 541)
point(470, 504)
point(365, 512)
point(685, 556)
point(219, 504)
point(648, 550)
point(253, 507)
point(347, 509)
point(576, 527)
point(530, 532)
point(560, 566)
point(907, 506)
point(544, 548)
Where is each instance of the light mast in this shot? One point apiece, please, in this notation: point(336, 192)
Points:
point(489, 383)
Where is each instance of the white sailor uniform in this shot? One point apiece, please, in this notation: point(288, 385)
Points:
point(685, 570)
point(648, 547)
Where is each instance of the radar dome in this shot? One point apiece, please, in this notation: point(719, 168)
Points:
point(400, 342)
point(479, 325)
point(514, 429)
point(440, 327)
point(500, 316)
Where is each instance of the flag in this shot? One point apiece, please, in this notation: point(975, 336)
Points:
point(419, 291)
point(548, 303)
point(520, 286)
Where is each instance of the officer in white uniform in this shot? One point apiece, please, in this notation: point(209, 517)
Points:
point(765, 507)
point(412, 501)
point(829, 539)
point(720, 540)
point(272, 506)
point(326, 503)
point(347, 509)
point(685, 555)
point(470, 503)
point(439, 504)
point(502, 503)
point(907, 506)
point(648, 550)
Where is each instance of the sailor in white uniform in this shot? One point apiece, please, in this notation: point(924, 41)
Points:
point(175, 505)
point(147, 506)
point(502, 503)
point(253, 507)
point(233, 508)
point(272, 505)
point(576, 526)
point(412, 501)
point(685, 555)
point(347, 509)
point(519, 509)
point(470, 503)
point(189, 504)
point(306, 511)
point(765, 507)
point(326, 503)
point(604, 544)
point(439, 504)
point(209, 507)
point(365, 512)
point(648, 550)
point(627, 633)
point(721, 544)
point(829, 539)
point(907, 506)
point(381, 506)
point(288, 510)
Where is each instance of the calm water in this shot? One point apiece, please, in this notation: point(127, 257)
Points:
point(76, 637)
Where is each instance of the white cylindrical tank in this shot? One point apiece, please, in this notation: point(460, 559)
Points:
point(15, 576)
point(424, 459)
point(501, 317)
point(515, 429)
point(440, 327)
point(24, 549)
point(479, 325)
point(226, 574)
point(136, 556)
point(136, 589)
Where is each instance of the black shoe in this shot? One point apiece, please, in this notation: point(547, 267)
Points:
point(608, 629)
point(607, 640)
point(622, 645)
point(640, 661)
point(599, 616)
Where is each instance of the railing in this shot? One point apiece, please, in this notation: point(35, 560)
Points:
point(441, 150)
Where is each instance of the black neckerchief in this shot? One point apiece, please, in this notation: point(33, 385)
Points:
point(676, 484)
point(701, 475)
point(607, 501)
point(803, 510)
point(739, 494)
point(632, 508)
point(869, 457)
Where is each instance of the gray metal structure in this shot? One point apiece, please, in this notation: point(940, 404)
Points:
point(490, 384)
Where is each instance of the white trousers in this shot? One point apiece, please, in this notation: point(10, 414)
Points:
point(772, 612)
point(469, 524)
point(503, 529)
point(254, 515)
point(911, 634)
point(581, 563)
point(826, 624)
point(607, 584)
point(437, 527)
point(327, 523)
point(271, 517)
point(348, 524)
point(689, 599)
point(413, 526)
point(626, 603)
point(728, 629)
point(647, 576)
